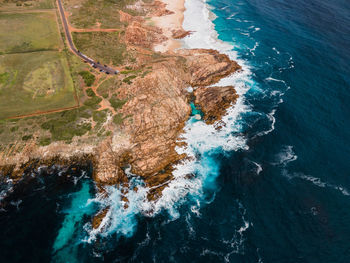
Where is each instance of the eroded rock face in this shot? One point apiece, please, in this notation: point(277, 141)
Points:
point(159, 109)
point(180, 33)
point(127, 18)
point(159, 106)
point(159, 9)
point(207, 66)
point(214, 101)
point(141, 35)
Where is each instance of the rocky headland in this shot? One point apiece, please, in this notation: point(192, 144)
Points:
point(156, 109)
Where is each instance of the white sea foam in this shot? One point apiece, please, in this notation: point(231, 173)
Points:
point(287, 155)
point(259, 169)
point(232, 16)
point(238, 239)
point(317, 182)
point(203, 142)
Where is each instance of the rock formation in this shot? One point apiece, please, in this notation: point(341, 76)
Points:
point(214, 101)
point(154, 115)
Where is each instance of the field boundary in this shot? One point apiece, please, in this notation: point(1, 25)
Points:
point(42, 113)
point(63, 43)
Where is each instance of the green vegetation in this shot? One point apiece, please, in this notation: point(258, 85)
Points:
point(88, 78)
point(14, 5)
point(27, 32)
point(89, 12)
point(93, 102)
point(116, 103)
point(100, 116)
point(66, 126)
point(145, 73)
point(38, 81)
point(90, 92)
point(102, 46)
point(14, 128)
point(128, 79)
point(118, 119)
point(106, 86)
point(27, 137)
point(132, 71)
point(45, 141)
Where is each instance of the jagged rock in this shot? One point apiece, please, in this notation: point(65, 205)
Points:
point(180, 33)
point(127, 18)
point(214, 101)
point(145, 36)
point(207, 66)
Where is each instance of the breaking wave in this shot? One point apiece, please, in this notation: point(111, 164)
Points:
point(204, 143)
point(194, 179)
point(287, 156)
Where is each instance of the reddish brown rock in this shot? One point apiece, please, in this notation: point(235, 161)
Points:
point(207, 66)
point(159, 9)
point(145, 36)
point(180, 33)
point(214, 101)
point(97, 219)
point(127, 18)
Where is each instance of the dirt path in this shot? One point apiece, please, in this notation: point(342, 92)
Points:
point(104, 103)
point(72, 29)
point(41, 113)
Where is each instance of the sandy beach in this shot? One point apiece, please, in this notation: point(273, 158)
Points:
point(170, 23)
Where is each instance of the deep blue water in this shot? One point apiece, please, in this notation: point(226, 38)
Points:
point(296, 209)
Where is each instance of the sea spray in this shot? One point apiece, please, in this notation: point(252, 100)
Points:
point(196, 175)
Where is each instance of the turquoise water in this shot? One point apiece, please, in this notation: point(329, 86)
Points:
point(273, 186)
point(69, 235)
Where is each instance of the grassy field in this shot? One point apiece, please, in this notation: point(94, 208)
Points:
point(105, 47)
point(16, 5)
point(108, 87)
point(87, 13)
point(25, 32)
point(37, 81)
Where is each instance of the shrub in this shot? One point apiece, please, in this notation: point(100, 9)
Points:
point(87, 77)
point(118, 119)
point(93, 102)
point(27, 137)
point(13, 129)
point(90, 92)
point(45, 141)
point(116, 103)
point(99, 116)
point(64, 128)
point(128, 79)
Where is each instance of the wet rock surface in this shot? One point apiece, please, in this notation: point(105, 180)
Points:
point(214, 101)
point(156, 109)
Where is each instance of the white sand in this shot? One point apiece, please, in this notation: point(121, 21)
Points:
point(168, 23)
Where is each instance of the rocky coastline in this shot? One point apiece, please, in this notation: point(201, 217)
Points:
point(158, 103)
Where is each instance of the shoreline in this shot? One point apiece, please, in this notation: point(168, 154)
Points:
point(170, 23)
point(158, 143)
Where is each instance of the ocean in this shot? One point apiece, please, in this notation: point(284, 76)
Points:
point(273, 185)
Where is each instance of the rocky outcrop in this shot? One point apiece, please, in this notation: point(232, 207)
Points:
point(214, 101)
point(154, 115)
point(159, 9)
point(207, 66)
point(141, 35)
point(127, 18)
point(159, 106)
point(180, 33)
